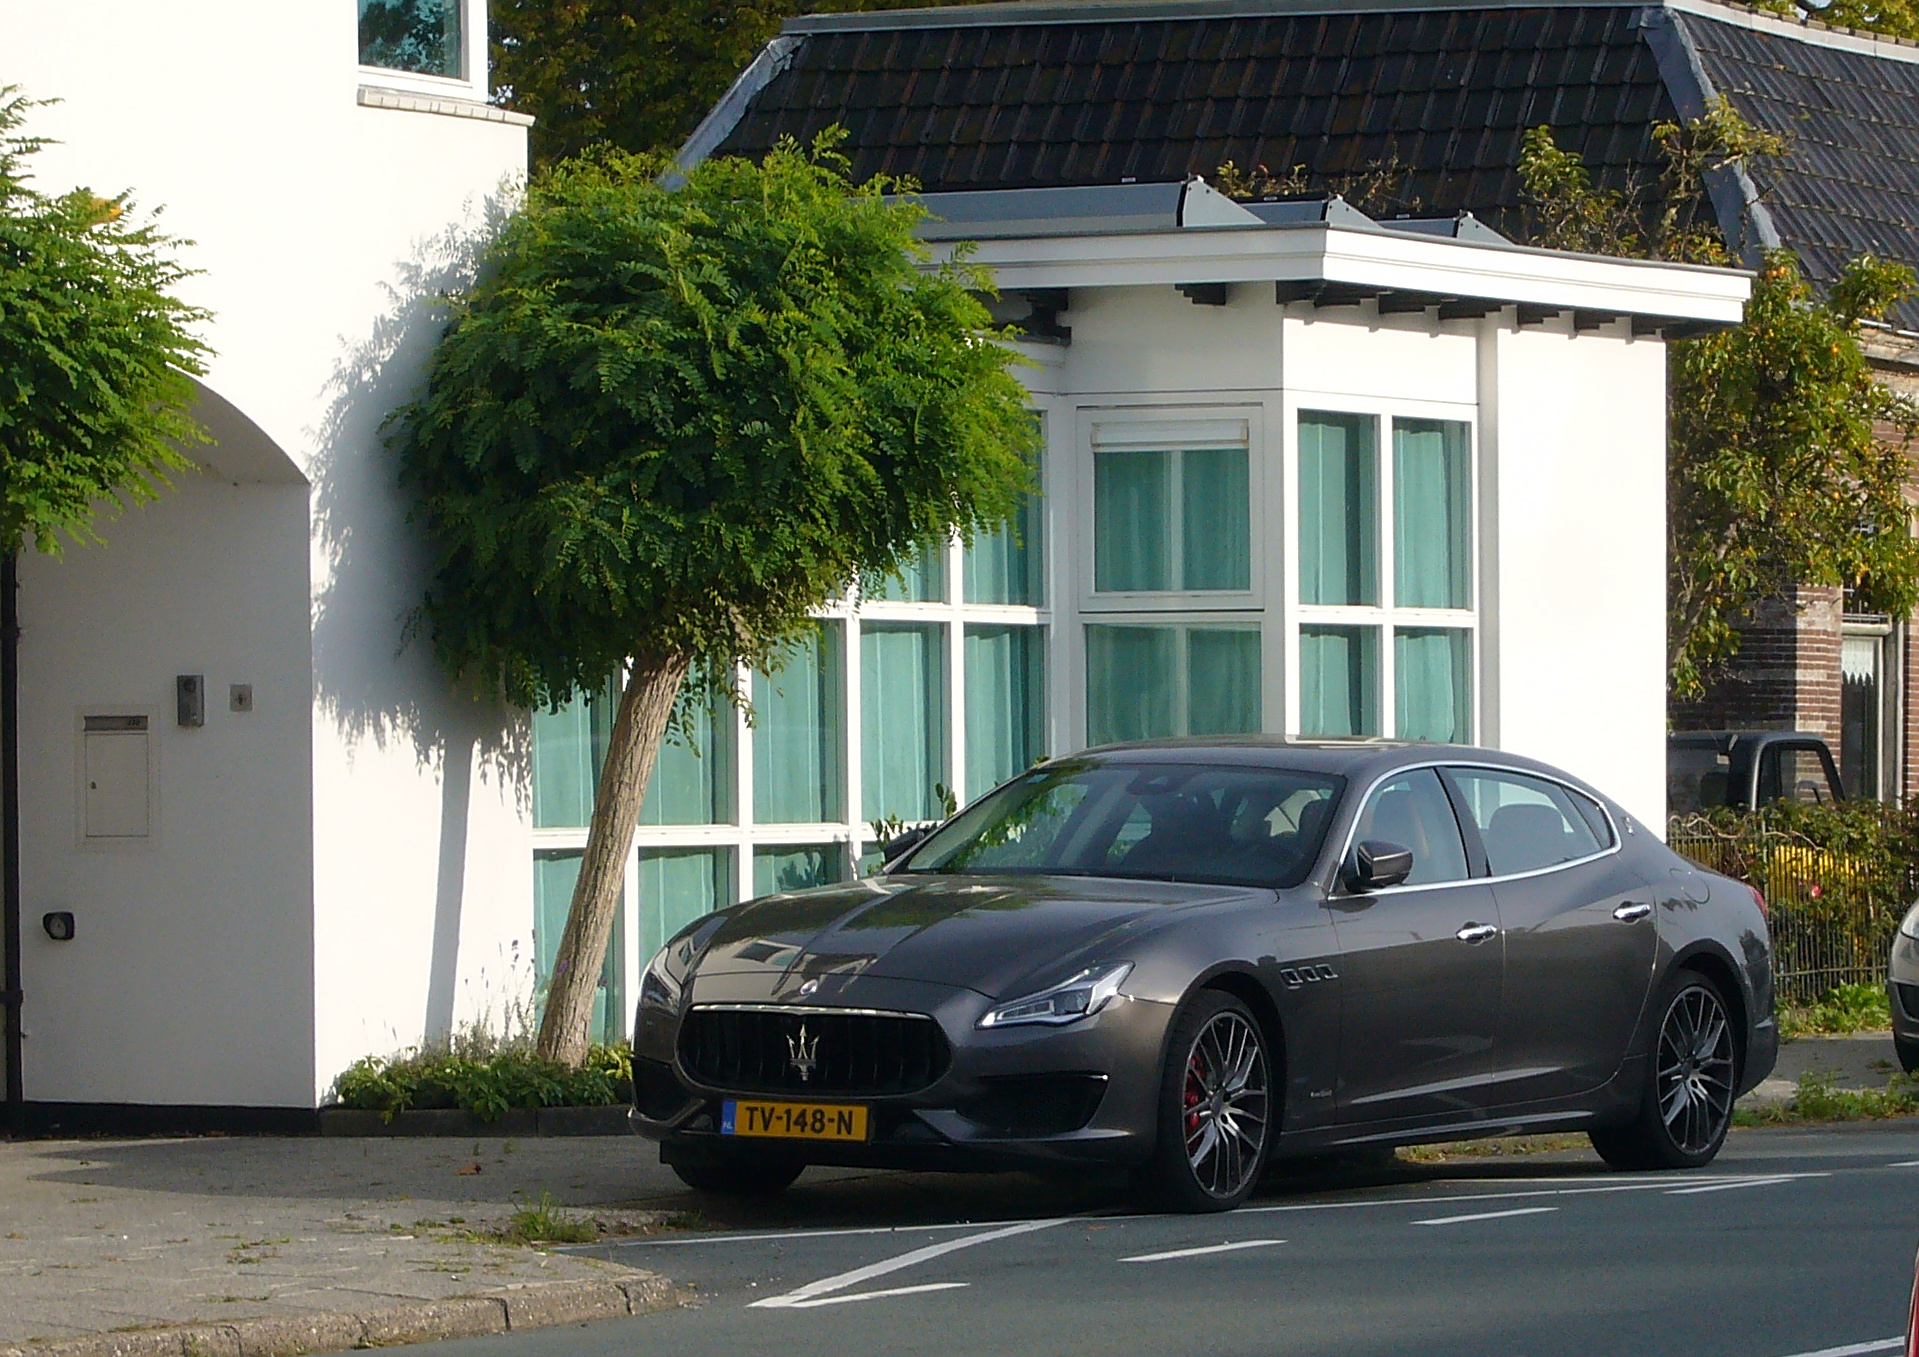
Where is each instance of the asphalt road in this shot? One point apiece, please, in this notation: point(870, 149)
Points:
point(1793, 1243)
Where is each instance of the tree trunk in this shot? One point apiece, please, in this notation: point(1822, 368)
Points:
point(634, 745)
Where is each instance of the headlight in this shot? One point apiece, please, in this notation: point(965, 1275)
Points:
point(1910, 924)
point(1070, 1000)
point(660, 986)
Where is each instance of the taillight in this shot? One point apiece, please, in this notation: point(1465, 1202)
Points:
point(1760, 901)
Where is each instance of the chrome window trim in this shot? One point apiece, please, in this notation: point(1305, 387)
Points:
point(1352, 830)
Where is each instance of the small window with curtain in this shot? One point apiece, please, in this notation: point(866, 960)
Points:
point(1172, 515)
point(1385, 577)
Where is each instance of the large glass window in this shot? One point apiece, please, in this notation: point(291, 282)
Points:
point(1339, 681)
point(1148, 682)
point(569, 746)
point(677, 886)
point(902, 719)
point(798, 735)
point(693, 777)
point(1433, 684)
point(1171, 521)
point(1338, 509)
point(1432, 533)
point(420, 36)
point(798, 867)
point(554, 876)
point(1005, 704)
point(1861, 708)
point(1353, 515)
point(1007, 565)
point(921, 580)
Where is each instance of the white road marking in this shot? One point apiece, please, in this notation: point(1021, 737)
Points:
point(1905, 1164)
point(841, 1281)
point(1645, 1185)
point(1857, 1349)
point(1195, 1253)
point(873, 1295)
point(1727, 1187)
point(1487, 1215)
point(722, 1237)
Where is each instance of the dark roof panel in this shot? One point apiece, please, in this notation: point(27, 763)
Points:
point(1091, 102)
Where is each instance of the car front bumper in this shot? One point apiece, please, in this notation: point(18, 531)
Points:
point(1084, 1093)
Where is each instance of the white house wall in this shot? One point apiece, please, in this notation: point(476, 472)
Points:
point(324, 228)
point(1578, 507)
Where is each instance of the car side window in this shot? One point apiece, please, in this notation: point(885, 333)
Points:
point(1528, 823)
point(1413, 811)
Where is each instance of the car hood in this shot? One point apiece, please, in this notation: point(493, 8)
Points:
point(985, 933)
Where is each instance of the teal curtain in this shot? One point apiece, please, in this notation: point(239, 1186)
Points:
point(1338, 681)
point(1338, 509)
point(554, 876)
point(1216, 522)
point(1132, 528)
point(692, 781)
point(1432, 681)
point(569, 746)
point(921, 580)
point(1005, 703)
point(1131, 683)
point(902, 719)
point(1222, 680)
point(677, 886)
point(797, 868)
point(797, 735)
point(1008, 564)
point(1432, 522)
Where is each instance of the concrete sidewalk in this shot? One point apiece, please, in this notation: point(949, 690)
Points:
point(1863, 1060)
point(336, 1243)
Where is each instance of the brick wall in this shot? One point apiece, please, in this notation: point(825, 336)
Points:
point(1786, 675)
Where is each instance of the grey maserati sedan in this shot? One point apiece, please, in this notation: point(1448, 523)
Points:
point(1190, 958)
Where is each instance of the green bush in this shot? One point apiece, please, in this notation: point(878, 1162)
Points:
point(487, 1085)
point(1843, 1009)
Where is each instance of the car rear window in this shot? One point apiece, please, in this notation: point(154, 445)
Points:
point(1160, 822)
point(1528, 823)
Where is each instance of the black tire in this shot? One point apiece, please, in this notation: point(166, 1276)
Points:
point(1216, 1112)
point(1908, 1052)
point(737, 1176)
point(1691, 1070)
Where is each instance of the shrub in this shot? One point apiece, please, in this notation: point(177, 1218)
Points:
point(487, 1086)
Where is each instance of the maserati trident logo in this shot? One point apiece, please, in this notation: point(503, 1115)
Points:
point(801, 1053)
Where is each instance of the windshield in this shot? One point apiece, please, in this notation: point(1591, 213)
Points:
point(1159, 822)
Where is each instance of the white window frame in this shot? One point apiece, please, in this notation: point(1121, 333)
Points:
point(473, 84)
point(1387, 618)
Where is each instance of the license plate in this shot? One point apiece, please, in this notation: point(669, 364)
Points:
point(793, 1121)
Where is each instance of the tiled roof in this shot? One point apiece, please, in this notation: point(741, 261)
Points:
point(1011, 96)
point(1445, 93)
point(1849, 183)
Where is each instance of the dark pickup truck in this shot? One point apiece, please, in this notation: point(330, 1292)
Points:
point(1747, 769)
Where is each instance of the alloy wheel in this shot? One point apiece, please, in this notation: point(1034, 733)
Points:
point(1225, 1104)
point(1695, 1070)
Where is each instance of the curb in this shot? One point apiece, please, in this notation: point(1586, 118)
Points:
point(535, 1305)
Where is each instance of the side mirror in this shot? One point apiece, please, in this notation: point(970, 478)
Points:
point(905, 842)
point(1377, 863)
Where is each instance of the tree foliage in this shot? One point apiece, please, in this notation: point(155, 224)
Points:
point(1779, 474)
point(95, 351)
point(1897, 18)
point(635, 74)
point(665, 427)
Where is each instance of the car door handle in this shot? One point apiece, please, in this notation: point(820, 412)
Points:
point(1476, 933)
point(1632, 911)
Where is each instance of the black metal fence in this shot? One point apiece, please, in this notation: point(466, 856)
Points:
point(1833, 914)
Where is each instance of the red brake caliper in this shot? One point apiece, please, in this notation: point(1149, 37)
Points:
point(1194, 1092)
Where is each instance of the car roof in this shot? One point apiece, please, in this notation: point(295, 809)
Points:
point(1358, 760)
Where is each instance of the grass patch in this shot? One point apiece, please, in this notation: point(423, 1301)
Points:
point(1842, 1010)
point(548, 1224)
point(1492, 1147)
point(1818, 1101)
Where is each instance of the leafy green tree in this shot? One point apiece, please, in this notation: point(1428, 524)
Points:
point(96, 354)
point(664, 427)
point(1778, 475)
point(636, 74)
point(1898, 18)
